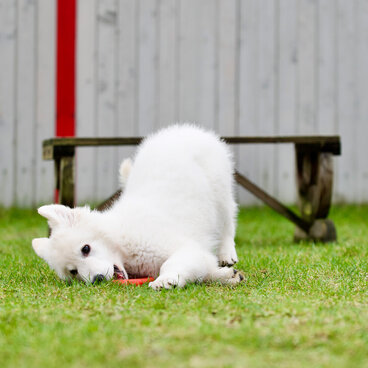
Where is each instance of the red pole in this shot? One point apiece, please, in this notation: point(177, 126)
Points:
point(65, 68)
point(65, 71)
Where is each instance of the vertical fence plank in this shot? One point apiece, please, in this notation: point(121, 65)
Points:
point(306, 67)
point(45, 104)
point(86, 125)
point(362, 85)
point(207, 63)
point(148, 66)
point(188, 51)
point(227, 67)
point(127, 67)
point(168, 62)
point(287, 103)
point(267, 74)
point(25, 103)
point(326, 110)
point(227, 83)
point(7, 100)
point(326, 67)
point(198, 64)
point(248, 160)
point(106, 96)
point(127, 47)
point(346, 89)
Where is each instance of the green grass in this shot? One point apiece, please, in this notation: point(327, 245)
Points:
point(302, 306)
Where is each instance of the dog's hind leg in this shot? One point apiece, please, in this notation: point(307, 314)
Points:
point(226, 253)
point(226, 275)
point(189, 264)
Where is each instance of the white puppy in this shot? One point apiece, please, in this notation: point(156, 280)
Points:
point(175, 219)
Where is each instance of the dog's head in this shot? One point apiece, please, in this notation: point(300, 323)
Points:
point(78, 247)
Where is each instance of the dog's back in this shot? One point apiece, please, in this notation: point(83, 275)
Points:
point(184, 173)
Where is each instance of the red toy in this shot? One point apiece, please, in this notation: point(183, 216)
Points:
point(136, 282)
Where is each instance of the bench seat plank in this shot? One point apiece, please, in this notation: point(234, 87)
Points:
point(329, 144)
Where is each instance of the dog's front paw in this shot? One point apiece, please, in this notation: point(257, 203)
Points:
point(166, 282)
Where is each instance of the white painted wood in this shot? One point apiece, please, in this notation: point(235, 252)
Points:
point(8, 19)
point(227, 67)
point(107, 160)
point(287, 97)
point(241, 67)
point(327, 114)
point(168, 62)
point(207, 63)
point(306, 66)
point(346, 188)
point(148, 96)
point(188, 60)
point(326, 67)
point(361, 73)
point(86, 92)
point(127, 46)
point(45, 94)
point(248, 160)
point(127, 98)
point(25, 103)
point(197, 62)
point(227, 83)
point(266, 84)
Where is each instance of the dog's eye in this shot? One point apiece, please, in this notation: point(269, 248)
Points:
point(74, 272)
point(86, 249)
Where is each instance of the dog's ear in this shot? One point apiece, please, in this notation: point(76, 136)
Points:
point(42, 247)
point(57, 214)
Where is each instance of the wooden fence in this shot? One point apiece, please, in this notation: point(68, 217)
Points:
point(240, 67)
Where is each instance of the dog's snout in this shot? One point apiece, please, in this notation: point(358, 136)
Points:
point(98, 278)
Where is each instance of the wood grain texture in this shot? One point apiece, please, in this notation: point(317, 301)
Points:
point(286, 107)
point(86, 109)
point(106, 115)
point(254, 67)
point(188, 60)
point(326, 114)
point(306, 87)
point(127, 75)
point(206, 63)
point(168, 83)
point(8, 75)
point(326, 143)
point(362, 105)
point(148, 96)
point(347, 100)
point(227, 83)
point(266, 84)
point(25, 179)
point(45, 94)
point(249, 157)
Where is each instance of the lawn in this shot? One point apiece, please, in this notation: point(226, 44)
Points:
point(303, 305)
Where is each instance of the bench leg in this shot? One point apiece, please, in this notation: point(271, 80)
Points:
point(64, 180)
point(314, 180)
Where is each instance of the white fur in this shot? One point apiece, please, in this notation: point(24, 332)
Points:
point(175, 218)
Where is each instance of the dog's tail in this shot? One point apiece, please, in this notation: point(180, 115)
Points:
point(124, 172)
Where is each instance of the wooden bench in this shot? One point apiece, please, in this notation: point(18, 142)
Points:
point(314, 172)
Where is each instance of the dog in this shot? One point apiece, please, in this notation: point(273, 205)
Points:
point(175, 220)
